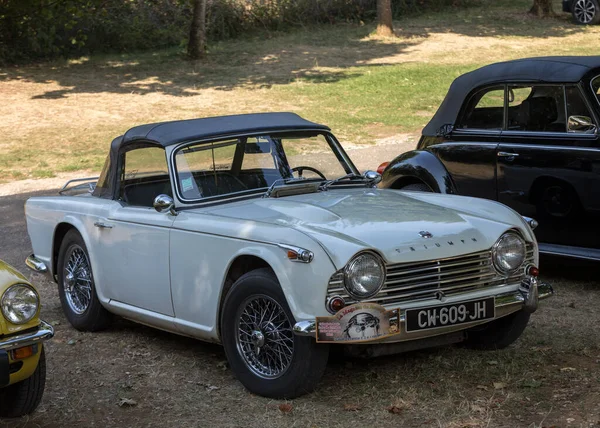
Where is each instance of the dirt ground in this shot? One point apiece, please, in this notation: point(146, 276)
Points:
point(549, 378)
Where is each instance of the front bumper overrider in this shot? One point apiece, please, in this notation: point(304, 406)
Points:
point(524, 297)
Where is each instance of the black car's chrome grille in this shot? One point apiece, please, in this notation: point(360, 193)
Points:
point(422, 280)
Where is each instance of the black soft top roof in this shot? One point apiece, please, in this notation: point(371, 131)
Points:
point(550, 69)
point(169, 133)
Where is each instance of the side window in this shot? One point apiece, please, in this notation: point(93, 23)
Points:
point(596, 87)
point(145, 176)
point(485, 110)
point(536, 108)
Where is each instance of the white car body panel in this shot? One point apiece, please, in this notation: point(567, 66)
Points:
point(169, 271)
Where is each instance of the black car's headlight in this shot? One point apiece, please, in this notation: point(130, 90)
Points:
point(364, 275)
point(20, 303)
point(508, 253)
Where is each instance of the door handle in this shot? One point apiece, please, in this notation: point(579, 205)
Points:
point(102, 225)
point(507, 155)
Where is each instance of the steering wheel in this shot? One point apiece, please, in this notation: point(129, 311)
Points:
point(301, 169)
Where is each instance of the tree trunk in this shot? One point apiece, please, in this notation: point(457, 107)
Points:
point(542, 8)
point(197, 42)
point(384, 18)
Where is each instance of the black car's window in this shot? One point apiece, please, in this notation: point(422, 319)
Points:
point(144, 176)
point(536, 108)
point(596, 87)
point(484, 110)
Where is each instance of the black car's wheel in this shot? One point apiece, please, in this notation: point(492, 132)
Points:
point(499, 333)
point(557, 201)
point(586, 12)
point(76, 287)
point(23, 397)
point(417, 187)
point(262, 350)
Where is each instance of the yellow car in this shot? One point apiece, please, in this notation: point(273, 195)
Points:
point(22, 333)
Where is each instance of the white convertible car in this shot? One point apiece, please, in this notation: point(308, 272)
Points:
point(256, 231)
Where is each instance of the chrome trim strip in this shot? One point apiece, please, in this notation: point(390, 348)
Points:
point(36, 264)
point(43, 333)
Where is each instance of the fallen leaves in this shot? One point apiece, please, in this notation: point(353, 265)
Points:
point(499, 385)
point(127, 402)
point(351, 407)
point(285, 408)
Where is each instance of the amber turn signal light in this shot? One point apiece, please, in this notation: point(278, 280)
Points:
point(382, 167)
point(22, 353)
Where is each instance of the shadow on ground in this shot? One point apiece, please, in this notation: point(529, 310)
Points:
point(316, 55)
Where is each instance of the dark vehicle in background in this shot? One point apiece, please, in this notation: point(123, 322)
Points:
point(524, 133)
point(585, 12)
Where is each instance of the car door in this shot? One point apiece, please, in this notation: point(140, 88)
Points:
point(548, 166)
point(469, 152)
point(133, 251)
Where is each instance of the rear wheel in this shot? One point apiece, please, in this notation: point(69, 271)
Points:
point(499, 333)
point(23, 397)
point(76, 287)
point(586, 12)
point(262, 350)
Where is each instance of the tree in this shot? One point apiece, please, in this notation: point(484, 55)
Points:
point(542, 8)
point(197, 42)
point(384, 18)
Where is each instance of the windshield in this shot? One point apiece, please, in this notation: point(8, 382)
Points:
point(251, 164)
point(596, 87)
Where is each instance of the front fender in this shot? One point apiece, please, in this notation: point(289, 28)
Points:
point(418, 166)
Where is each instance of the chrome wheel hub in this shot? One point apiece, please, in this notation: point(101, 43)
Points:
point(264, 339)
point(584, 11)
point(77, 280)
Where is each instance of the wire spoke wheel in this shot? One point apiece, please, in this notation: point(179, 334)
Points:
point(264, 339)
point(77, 280)
point(584, 11)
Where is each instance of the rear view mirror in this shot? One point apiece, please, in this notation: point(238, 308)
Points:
point(256, 148)
point(581, 124)
point(511, 95)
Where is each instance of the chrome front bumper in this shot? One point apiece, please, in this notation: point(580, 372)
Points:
point(43, 333)
point(38, 266)
point(527, 297)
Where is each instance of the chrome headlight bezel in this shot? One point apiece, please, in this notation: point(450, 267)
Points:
point(8, 301)
point(498, 246)
point(348, 274)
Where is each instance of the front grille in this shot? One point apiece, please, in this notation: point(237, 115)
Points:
point(422, 280)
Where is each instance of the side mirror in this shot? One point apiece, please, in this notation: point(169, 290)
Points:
point(372, 176)
point(582, 124)
point(163, 203)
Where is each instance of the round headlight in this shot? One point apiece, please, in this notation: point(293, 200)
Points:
point(364, 275)
point(509, 253)
point(20, 304)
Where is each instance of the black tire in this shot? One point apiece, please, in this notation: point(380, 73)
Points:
point(94, 317)
point(499, 333)
point(586, 12)
point(23, 397)
point(417, 187)
point(308, 359)
point(557, 201)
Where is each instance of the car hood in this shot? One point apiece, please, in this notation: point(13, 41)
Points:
point(400, 226)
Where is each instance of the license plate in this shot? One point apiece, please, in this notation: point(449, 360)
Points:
point(452, 314)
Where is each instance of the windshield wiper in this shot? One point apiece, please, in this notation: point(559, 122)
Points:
point(328, 183)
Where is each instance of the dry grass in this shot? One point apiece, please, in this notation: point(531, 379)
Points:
point(60, 117)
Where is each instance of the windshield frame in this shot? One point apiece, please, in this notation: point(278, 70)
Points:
point(345, 162)
point(595, 85)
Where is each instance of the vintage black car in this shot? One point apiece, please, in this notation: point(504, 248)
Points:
point(524, 133)
point(584, 11)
